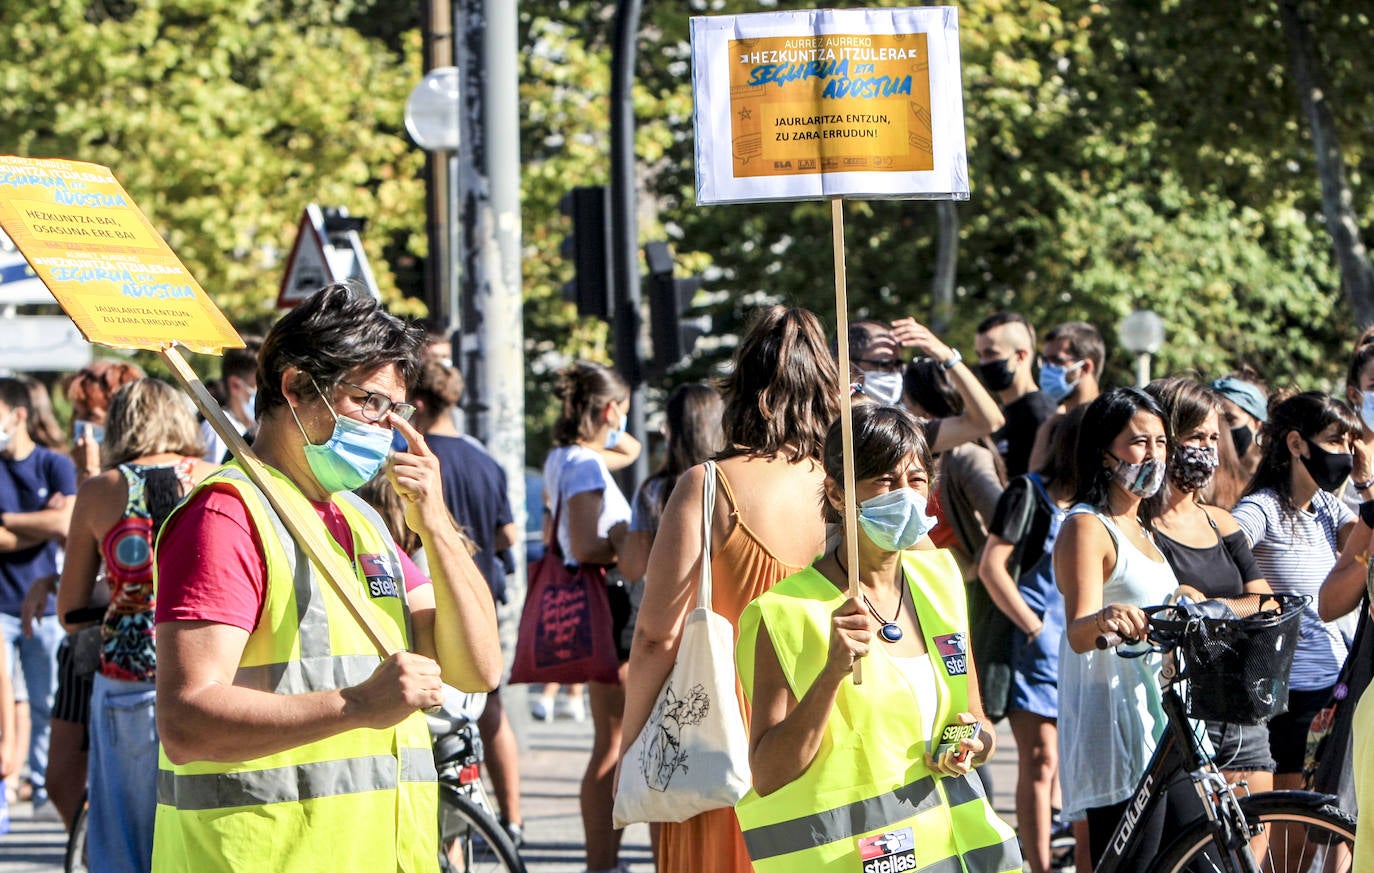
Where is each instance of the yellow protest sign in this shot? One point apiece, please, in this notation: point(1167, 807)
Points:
point(103, 260)
point(829, 103)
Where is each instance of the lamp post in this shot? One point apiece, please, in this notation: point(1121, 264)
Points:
point(432, 120)
point(1142, 334)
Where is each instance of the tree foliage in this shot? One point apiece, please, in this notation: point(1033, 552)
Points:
point(1141, 153)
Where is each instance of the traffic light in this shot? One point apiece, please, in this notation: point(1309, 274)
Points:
point(669, 298)
point(588, 247)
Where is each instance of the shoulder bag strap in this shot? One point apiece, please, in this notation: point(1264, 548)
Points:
point(708, 509)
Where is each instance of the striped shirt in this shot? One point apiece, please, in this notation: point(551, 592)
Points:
point(1295, 553)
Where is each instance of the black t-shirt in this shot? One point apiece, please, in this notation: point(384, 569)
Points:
point(1016, 438)
point(475, 492)
point(1219, 570)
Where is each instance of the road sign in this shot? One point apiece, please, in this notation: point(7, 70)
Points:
point(327, 249)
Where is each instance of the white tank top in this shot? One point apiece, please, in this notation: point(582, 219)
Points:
point(921, 676)
point(1110, 716)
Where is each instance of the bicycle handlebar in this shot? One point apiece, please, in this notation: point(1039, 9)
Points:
point(1108, 640)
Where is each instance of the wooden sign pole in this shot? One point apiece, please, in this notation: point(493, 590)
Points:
point(311, 539)
point(851, 513)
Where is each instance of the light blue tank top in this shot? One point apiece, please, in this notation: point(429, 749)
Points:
point(1110, 716)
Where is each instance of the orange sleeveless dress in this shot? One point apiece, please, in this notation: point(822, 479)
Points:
point(742, 569)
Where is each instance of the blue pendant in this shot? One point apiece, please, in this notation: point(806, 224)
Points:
point(890, 632)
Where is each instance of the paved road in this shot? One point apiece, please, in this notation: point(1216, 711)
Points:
point(554, 757)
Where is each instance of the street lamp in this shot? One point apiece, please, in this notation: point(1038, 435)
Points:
point(1142, 334)
point(433, 120)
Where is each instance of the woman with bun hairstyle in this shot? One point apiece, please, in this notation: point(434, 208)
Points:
point(593, 518)
point(780, 398)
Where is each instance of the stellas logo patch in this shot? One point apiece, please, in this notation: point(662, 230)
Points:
point(381, 575)
point(892, 852)
point(953, 650)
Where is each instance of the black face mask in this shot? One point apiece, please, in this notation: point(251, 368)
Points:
point(1244, 438)
point(1327, 469)
point(997, 375)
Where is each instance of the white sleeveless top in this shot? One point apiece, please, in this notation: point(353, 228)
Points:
point(1110, 715)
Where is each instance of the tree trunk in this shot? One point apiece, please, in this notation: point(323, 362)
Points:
point(1357, 274)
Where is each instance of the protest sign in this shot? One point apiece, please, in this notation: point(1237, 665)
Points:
point(123, 287)
point(829, 102)
point(103, 260)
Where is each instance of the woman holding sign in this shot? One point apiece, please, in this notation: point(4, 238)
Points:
point(824, 751)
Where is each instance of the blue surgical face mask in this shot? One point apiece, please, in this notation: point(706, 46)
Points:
point(251, 403)
point(352, 455)
point(613, 437)
point(896, 520)
point(1367, 408)
point(885, 388)
point(1054, 380)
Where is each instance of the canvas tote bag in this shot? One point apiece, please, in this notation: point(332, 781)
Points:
point(693, 754)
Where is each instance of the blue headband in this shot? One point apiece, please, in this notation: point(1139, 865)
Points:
point(1246, 395)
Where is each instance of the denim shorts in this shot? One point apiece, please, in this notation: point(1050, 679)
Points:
point(1243, 747)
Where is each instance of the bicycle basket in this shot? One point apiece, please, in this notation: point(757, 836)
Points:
point(1236, 655)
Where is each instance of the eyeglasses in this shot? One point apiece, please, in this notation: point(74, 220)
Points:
point(375, 406)
point(887, 365)
point(1066, 363)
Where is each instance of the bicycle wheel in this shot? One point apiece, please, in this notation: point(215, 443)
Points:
point(470, 840)
point(1296, 837)
point(75, 861)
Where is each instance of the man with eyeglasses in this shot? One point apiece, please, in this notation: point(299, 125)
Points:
point(287, 738)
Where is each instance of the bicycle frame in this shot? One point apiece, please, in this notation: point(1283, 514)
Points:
point(1180, 751)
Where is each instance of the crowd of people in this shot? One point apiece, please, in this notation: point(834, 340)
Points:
point(173, 655)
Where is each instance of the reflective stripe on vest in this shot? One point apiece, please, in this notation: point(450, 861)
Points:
point(197, 791)
point(859, 817)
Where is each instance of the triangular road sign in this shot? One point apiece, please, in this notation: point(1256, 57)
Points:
point(308, 270)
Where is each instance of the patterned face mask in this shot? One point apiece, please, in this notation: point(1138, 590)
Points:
point(1142, 479)
point(1192, 467)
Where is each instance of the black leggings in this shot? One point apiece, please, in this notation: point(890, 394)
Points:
point(1181, 805)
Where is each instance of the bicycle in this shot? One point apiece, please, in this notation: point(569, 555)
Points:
point(1231, 829)
point(471, 840)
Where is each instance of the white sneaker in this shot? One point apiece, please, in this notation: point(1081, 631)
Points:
point(46, 812)
point(574, 708)
point(542, 708)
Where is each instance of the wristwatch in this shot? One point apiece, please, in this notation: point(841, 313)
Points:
point(1359, 486)
point(953, 359)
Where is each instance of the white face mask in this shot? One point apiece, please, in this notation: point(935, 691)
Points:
point(7, 433)
point(1367, 408)
point(886, 388)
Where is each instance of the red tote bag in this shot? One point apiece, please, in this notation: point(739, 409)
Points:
point(565, 628)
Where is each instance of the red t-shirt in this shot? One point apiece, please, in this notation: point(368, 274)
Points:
point(210, 563)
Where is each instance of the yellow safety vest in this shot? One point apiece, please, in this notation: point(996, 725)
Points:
point(868, 803)
point(363, 800)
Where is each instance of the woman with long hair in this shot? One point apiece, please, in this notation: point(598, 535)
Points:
point(1108, 568)
point(151, 455)
point(1296, 527)
point(592, 516)
point(780, 398)
point(1206, 548)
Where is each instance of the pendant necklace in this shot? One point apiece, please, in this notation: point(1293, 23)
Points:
point(890, 631)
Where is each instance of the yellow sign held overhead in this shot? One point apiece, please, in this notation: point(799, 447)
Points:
point(103, 260)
